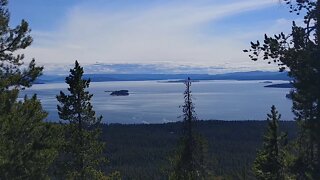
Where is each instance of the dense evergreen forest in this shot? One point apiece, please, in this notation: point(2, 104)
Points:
point(142, 151)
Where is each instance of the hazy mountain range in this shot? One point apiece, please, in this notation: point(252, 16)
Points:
point(160, 68)
point(251, 75)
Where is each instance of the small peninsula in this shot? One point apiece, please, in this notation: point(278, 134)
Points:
point(283, 85)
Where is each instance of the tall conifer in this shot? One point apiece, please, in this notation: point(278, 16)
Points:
point(299, 53)
point(269, 163)
point(27, 146)
point(83, 149)
point(189, 162)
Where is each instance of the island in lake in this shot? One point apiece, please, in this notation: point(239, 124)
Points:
point(266, 82)
point(119, 93)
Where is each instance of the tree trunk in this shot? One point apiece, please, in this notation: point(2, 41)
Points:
point(80, 138)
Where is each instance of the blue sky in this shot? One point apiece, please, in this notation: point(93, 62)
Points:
point(188, 32)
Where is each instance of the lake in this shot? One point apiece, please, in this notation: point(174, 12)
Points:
point(158, 102)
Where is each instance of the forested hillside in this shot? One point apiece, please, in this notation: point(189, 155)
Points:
point(142, 151)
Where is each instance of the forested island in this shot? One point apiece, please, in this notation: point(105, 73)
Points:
point(120, 93)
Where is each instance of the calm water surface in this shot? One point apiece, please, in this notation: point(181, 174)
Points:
point(158, 102)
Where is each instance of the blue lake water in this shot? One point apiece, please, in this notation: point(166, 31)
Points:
point(158, 102)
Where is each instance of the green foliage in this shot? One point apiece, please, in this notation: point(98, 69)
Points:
point(12, 40)
point(189, 161)
point(299, 52)
point(82, 150)
point(138, 150)
point(190, 166)
point(269, 163)
point(27, 144)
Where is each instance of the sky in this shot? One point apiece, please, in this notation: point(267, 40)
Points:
point(198, 33)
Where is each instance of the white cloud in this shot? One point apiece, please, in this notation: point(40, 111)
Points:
point(165, 33)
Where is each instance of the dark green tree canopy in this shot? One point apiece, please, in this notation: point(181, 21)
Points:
point(269, 163)
point(28, 146)
point(27, 143)
point(12, 40)
point(299, 53)
point(83, 149)
point(76, 105)
point(190, 159)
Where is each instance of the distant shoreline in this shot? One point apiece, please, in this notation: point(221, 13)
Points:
point(180, 121)
point(241, 76)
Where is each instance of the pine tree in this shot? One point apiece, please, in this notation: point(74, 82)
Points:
point(269, 163)
point(190, 161)
point(299, 53)
point(27, 146)
point(83, 150)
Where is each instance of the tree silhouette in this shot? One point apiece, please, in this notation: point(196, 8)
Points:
point(269, 163)
point(189, 162)
point(27, 144)
point(299, 53)
point(83, 148)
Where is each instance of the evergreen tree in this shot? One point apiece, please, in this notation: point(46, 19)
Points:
point(190, 161)
point(83, 150)
point(27, 146)
point(269, 163)
point(299, 53)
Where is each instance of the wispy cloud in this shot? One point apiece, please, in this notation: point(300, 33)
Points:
point(166, 32)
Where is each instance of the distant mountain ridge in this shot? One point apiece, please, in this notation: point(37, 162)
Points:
point(251, 75)
point(158, 68)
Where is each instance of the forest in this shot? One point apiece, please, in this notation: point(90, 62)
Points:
point(137, 151)
point(80, 146)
